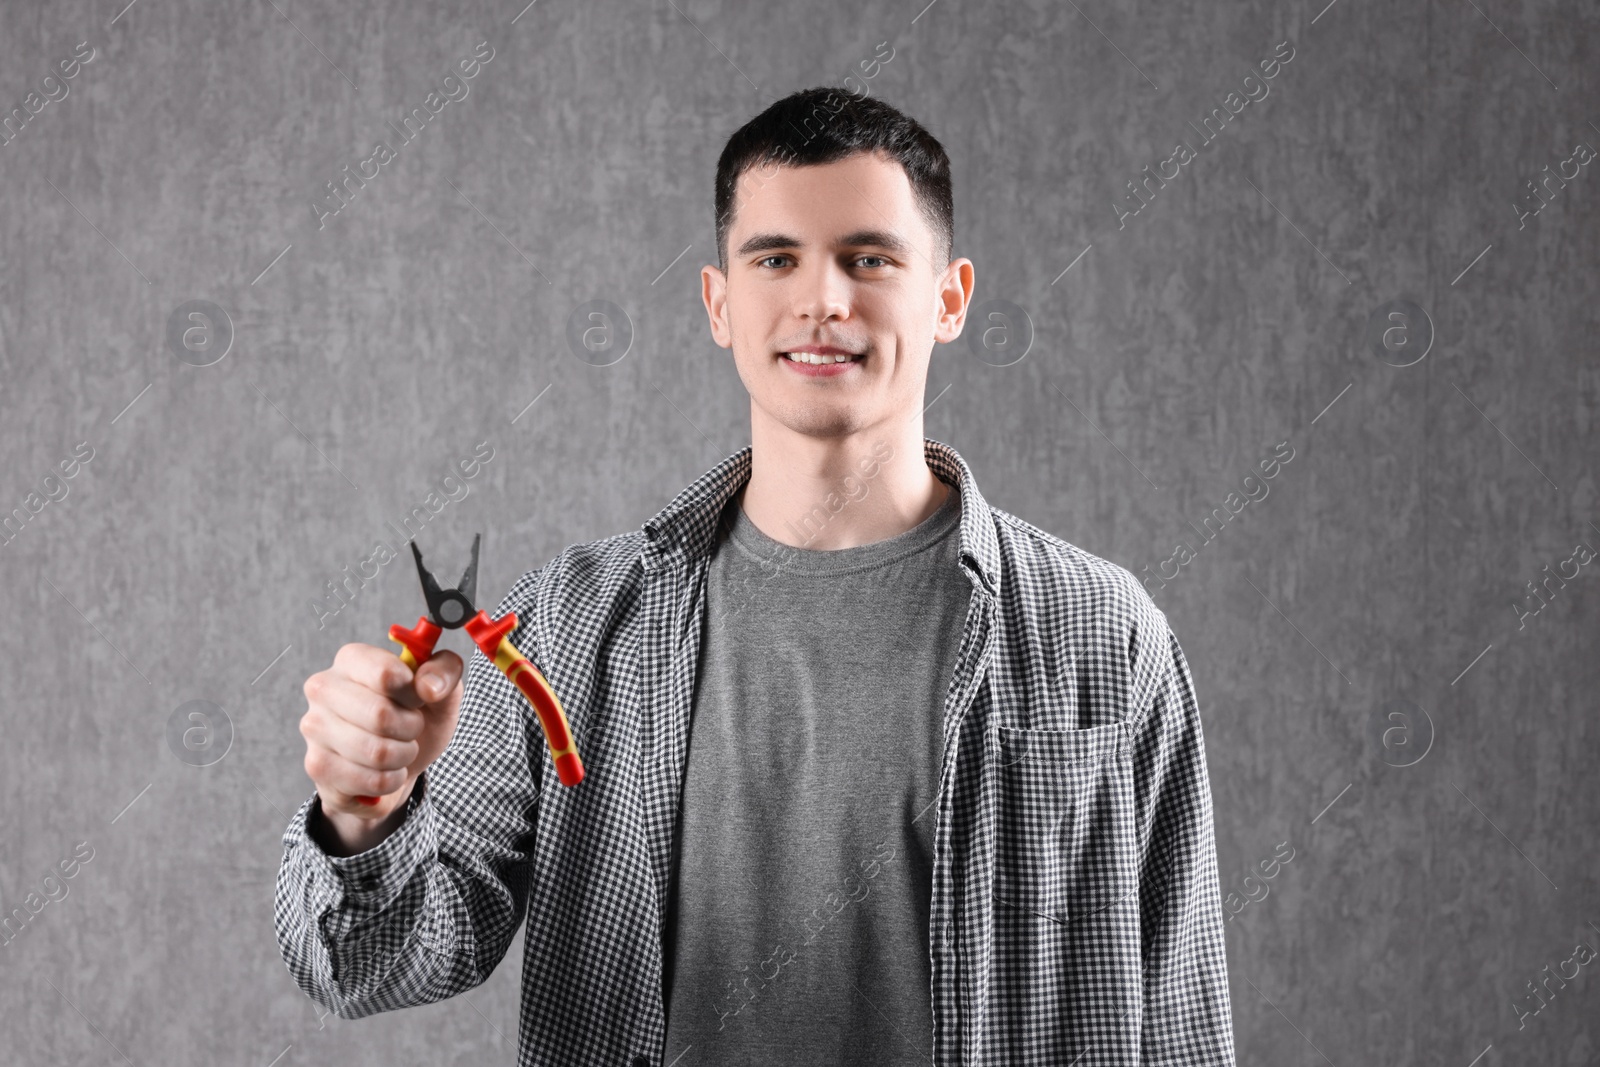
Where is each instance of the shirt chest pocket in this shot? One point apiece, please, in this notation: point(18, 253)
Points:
point(1065, 846)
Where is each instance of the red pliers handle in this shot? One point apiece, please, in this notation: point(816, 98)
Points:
point(453, 608)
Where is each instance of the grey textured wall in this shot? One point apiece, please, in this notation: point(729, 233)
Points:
point(1385, 701)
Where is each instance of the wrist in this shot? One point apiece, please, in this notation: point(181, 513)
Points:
point(341, 834)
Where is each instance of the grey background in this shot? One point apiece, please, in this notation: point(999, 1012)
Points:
point(1230, 314)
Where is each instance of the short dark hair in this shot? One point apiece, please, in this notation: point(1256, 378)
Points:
point(823, 125)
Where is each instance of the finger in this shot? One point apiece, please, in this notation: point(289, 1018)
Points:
point(364, 709)
point(379, 670)
point(437, 677)
point(345, 781)
point(359, 746)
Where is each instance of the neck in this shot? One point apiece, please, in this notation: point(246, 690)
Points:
point(827, 493)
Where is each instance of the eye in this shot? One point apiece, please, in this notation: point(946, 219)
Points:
point(881, 261)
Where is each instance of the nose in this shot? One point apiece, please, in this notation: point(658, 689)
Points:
point(822, 292)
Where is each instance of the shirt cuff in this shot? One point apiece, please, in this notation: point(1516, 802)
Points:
point(373, 878)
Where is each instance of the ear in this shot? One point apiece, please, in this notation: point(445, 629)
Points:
point(714, 294)
point(955, 296)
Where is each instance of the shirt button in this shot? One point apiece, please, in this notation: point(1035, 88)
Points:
point(641, 1061)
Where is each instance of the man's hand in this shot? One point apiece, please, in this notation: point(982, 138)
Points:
point(372, 726)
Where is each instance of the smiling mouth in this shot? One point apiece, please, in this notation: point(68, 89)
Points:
point(809, 359)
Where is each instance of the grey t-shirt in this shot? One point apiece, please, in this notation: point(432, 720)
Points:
point(797, 928)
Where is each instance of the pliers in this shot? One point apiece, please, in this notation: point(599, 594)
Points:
point(452, 609)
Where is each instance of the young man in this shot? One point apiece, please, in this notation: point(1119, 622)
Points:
point(877, 773)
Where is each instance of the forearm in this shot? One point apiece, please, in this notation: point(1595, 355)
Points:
point(382, 931)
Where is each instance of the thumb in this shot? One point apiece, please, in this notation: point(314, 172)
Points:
point(436, 678)
point(438, 682)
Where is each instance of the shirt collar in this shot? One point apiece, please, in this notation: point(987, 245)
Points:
point(683, 530)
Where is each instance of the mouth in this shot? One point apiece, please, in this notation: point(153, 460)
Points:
point(811, 359)
point(825, 366)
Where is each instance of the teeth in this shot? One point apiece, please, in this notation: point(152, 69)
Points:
point(807, 357)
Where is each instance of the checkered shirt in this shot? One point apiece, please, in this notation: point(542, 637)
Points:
point(1076, 917)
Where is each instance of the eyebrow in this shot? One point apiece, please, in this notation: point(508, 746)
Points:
point(763, 242)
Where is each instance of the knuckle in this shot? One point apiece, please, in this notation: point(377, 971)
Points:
point(348, 653)
point(385, 670)
point(379, 751)
point(375, 712)
point(394, 674)
point(385, 719)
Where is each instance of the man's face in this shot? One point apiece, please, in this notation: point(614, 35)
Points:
point(836, 255)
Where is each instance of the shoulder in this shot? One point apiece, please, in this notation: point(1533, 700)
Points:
point(1039, 560)
point(584, 579)
point(582, 569)
point(1082, 597)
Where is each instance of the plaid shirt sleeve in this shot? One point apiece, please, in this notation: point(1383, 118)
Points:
point(431, 910)
point(1187, 1017)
